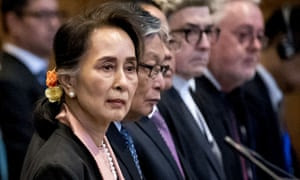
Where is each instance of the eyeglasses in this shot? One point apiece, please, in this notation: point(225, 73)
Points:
point(173, 44)
point(155, 69)
point(44, 14)
point(247, 36)
point(193, 35)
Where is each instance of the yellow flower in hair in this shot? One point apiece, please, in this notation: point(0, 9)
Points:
point(53, 92)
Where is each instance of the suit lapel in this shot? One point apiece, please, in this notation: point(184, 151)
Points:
point(151, 131)
point(204, 89)
point(190, 124)
point(121, 151)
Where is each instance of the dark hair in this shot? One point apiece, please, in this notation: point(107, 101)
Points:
point(16, 6)
point(72, 40)
point(187, 3)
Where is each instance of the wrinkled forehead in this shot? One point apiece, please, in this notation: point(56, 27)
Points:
point(198, 15)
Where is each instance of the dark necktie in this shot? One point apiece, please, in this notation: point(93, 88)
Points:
point(236, 136)
point(167, 137)
point(130, 146)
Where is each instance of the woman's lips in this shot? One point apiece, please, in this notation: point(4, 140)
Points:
point(117, 103)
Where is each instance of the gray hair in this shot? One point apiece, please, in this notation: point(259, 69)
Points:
point(151, 25)
point(181, 4)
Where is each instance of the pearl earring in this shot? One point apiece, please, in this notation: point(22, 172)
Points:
point(72, 94)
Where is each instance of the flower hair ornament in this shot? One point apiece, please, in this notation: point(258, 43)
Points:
point(53, 92)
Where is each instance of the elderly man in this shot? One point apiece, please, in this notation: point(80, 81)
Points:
point(29, 27)
point(151, 83)
point(156, 148)
point(238, 109)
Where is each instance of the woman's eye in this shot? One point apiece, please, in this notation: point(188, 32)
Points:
point(131, 68)
point(108, 67)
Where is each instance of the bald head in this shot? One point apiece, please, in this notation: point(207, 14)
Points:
point(235, 8)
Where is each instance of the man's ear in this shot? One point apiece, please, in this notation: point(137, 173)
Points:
point(68, 83)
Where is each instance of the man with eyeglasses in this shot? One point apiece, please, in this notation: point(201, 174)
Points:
point(158, 155)
point(151, 69)
point(193, 33)
point(234, 95)
point(29, 27)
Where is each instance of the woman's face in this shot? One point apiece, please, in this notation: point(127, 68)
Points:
point(107, 77)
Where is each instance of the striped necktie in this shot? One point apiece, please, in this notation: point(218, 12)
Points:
point(130, 146)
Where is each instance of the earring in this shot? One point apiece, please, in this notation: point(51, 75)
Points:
point(71, 94)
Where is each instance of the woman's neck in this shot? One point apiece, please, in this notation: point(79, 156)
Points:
point(95, 128)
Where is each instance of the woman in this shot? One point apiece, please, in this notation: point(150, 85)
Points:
point(96, 58)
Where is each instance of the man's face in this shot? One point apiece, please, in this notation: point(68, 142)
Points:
point(192, 57)
point(235, 56)
point(169, 57)
point(36, 27)
point(148, 91)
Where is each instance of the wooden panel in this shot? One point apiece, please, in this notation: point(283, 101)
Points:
point(268, 6)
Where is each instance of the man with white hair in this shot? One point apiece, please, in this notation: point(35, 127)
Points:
point(238, 106)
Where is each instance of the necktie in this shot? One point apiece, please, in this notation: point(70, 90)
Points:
point(236, 137)
point(130, 146)
point(166, 135)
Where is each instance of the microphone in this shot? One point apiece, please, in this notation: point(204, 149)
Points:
point(253, 157)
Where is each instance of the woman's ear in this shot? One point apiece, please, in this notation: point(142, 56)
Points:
point(68, 83)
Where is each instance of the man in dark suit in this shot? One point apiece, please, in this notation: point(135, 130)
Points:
point(151, 83)
point(29, 28)
point(157, 159)
point(236, 108)
point(193, 32)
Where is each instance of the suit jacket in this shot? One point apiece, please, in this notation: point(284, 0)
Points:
point(19, 91)
point(61, 156)
point(268, 139)
point(214, 109)
point(122, 153)
point(155, 157)
point(190, 142)
point(254, 110)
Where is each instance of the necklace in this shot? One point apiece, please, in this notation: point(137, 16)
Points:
point(110, 160)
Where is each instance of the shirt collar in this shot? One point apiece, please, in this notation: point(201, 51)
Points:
point(276, 95)
point(152, 112)
point(181, 84)
point(118, 125)
point(34, 63)
point(212, 79)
